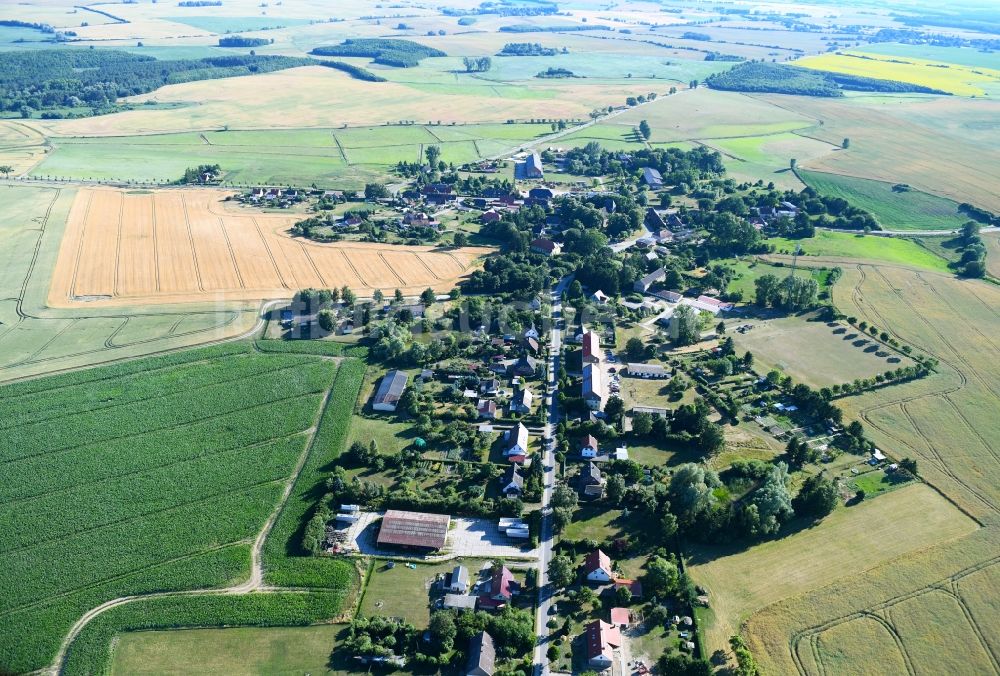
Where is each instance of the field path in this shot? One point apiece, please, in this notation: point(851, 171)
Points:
point(254, 583)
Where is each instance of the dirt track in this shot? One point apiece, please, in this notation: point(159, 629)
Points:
point(176, 246)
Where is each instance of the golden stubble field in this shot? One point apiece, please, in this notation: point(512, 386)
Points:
point(937, 608)
point(176, 246)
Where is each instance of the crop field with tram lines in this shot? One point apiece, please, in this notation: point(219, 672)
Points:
point(182, 246)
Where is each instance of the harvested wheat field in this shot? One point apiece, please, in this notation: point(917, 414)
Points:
point(176, 246)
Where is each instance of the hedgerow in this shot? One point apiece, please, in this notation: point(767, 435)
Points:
point(286, 562)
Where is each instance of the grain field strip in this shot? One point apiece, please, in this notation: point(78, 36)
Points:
point(51, 340)
point(156, 249)
point(109, 342)
point(391, 269)
point(159, 395)
point(350, 264)
point(232, 254)
point(175, 426)
point(194, 252)
point(153, 468)
point(79, 251)
point(159, 564)
point(312, 263)
point(118, 245)
point(420, 259)
point(270, 254)
point(976, 629)
point(142, 515)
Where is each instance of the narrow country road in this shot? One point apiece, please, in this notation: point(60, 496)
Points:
point(545, 593)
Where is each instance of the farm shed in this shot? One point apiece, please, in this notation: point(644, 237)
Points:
point(413, 529)
point(389, 391)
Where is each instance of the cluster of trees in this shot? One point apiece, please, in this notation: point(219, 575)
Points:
point(562, 28)
point(972, 262)
point(243, 41)
point(202, 174)
point(792, 294)
point(522, 275)
point(479, 64)
point(379, 636)
point(96, 78)
point(675, 165)
point(504, 9)
point(555, 73)
point(529, 49)
point(357, 72)
point(778, 78)
point(385, 51)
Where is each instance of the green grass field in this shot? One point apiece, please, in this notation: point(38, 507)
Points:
point(174, 465)
point(843, 245)
point(236, 24)
point(228, 651)
point(815, 354)
point(910, 210)
point(740, 582)
point(344, 158)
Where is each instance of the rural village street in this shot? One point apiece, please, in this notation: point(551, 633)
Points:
point(545, 593)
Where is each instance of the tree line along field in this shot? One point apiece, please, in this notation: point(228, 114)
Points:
point(157, 475)
point(36, 339)
point(182, 246)
point(932, 610)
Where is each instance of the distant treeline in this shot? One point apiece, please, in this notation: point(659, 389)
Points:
point(240, 41)
point(357, 72)
point(505, 9)
point(12, 23)
point(701, 37)
point(529, 28)
point(388, 52)
point(910, 36)
point(776, 78)
point(200, 3)
point(96, 78)
point(982, 21)
point(555, 73)
point(528, 49)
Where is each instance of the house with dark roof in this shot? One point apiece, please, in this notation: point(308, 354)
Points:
point(652, 178)
point(522, 401)
point(591, 348)
point(540, 194)
point(643, 285)
point(512, 483)
point(489, 217)
point(490, 386)
point(517, 443)
point(654, 221)
point(591, 482)
point(589, 447)
point(482, 655)
point(524, 366)
point(532, 166)
point(390, 390)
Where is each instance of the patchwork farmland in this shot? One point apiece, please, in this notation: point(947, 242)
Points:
point(182, 246)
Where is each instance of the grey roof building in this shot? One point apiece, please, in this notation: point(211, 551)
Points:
point(482, 655)
point(389, 391)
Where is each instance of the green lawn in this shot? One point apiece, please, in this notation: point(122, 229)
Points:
point(865, 247)
point(237, 651)
point(875, 483)
point(747, 272)
point(407, 592)
point(910, 210)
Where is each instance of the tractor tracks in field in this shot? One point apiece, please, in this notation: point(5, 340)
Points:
point(932, 454)
point(947, 585)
